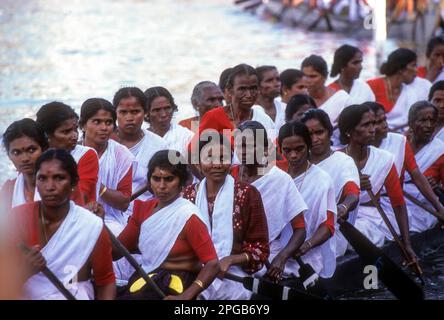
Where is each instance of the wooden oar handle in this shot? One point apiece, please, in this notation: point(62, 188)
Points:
point(139, 192)
point(392, 231)
point(51, 276)
point(421, 205)
point(134, 263)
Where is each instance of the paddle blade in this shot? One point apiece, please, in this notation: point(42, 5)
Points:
point(396, 280)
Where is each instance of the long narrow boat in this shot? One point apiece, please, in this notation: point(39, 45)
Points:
point(349, 275)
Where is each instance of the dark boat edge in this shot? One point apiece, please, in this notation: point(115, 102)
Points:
point(349, 275)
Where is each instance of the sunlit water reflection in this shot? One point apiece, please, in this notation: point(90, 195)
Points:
point(74, 50)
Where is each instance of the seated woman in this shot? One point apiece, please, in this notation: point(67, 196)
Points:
point(60, 123)
point(436, 97)
point(160, 108)
point(130, 106)
point(206, 96)
point(24, 142)
point(284, 210)
point(171, 234)
point(347, 63)
point(292, 83)
point(393, 90)
point(269, 90)
point(377, 169)
point(61, 235)
point(316, 188)
point(400, 148)
point(237, 219)
point(97, 121)
point(429, 156)
point(296, 107)
point(339, 166)
point(315, 74)
point(434, 69)
point(242, 86)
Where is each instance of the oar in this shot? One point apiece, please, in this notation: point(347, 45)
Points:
point(240, 1)
point(139, 192)
point(270, 289)
point(421, 205)
point(134, 263)
point(415, 266)
point(51, 276)
point(396, 281)
point(307, 273)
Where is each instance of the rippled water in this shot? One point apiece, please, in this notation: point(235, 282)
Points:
point(77, 49)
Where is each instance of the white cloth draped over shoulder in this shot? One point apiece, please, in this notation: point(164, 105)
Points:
point(395, 144)
point(18, 195)
point(177, 138)
point(368, 220)
point(360, 93)
point(221, 220)
point(421, 87)
point(420, 219)
point(159, 232)
point(222, 236)
point(280, 114)
point(398, 116)
point(317, 190)
point(66, 253)
point(260, 116)
point(281, 199)
point(113, 165)
point(440, 134)
point(143, 151)
point(335, 104)
point(342, 170)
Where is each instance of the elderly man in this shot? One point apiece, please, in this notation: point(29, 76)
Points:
point(206, 96)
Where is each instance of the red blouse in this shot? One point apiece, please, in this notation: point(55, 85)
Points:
point(28, 221)
point(436, 170)
point(335, 86)
point(421, 72)
point(378, 87)
point(88, 170)
point(250, 230)
point(193, 240)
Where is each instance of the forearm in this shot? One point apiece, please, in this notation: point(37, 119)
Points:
point(350, 201)
point(403, 222)
point(116, 199)
point(296, 240)
point(106, 292)
point(205, 277)
point(424, 187)
point(320, 236)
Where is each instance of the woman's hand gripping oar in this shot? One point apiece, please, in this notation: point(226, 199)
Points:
point(50, 275)
point(119, 246)
point(412, 263)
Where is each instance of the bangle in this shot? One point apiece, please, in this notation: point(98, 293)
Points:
point(344, 206)
point(103, 191)
point(309, 243)
point(199, 283)
point(247, 257)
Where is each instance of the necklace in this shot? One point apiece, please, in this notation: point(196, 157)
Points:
point(303, 177)
point(232, 115)
point(43, 221)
